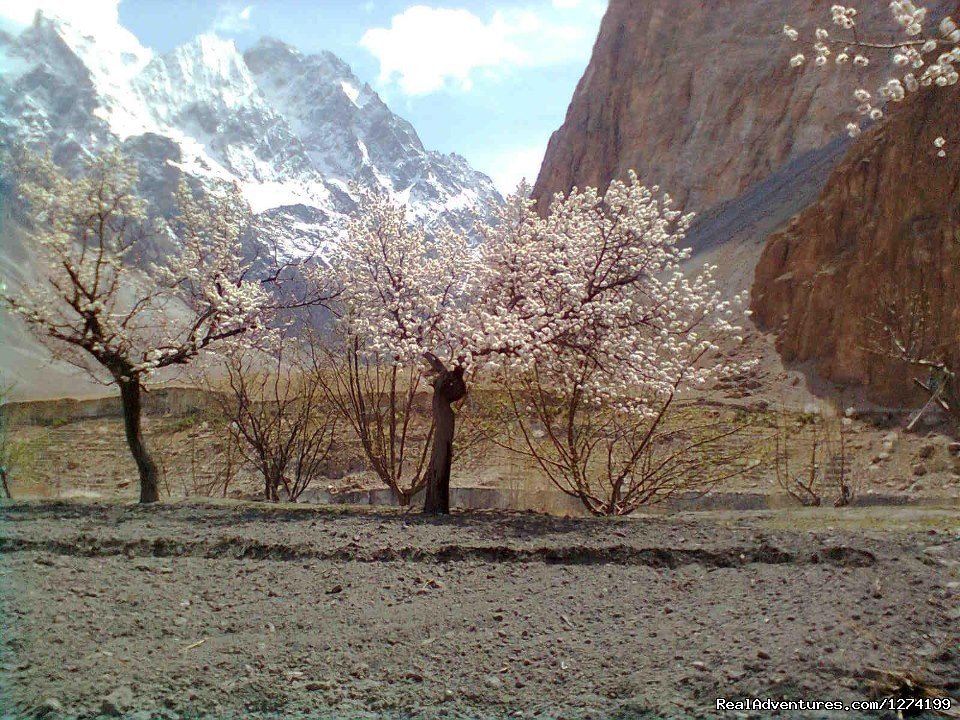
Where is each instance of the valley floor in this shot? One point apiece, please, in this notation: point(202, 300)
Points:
point(236, 610)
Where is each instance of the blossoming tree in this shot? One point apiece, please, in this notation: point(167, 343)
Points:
point(95, 309)
point(923, 57)
point(597, 283)
point(402, 298)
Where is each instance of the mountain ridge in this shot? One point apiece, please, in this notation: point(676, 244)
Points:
point(232, 121)
point(206, 113)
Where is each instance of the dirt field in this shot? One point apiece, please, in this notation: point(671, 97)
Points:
point(233, 610)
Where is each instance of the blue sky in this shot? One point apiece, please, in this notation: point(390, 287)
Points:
point(489, 79)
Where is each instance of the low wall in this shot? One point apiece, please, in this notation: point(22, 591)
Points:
point(174, 401)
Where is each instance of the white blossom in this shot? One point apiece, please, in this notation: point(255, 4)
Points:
point(597, 283)
point(915, 49)
point(96, 306)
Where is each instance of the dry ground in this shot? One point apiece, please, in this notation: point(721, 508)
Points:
point(234, 610)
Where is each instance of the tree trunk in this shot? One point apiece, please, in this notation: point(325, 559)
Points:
point(132, 410)
point(448, 388)
point(271, 488)
point(402, 498)
point(3, 477)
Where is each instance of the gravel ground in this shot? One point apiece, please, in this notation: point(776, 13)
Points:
point(192, 610)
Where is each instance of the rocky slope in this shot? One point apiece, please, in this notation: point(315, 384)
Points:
point(699, 98)
point(885, 228)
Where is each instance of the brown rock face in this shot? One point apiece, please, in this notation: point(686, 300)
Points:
point(886, 225)
point(699, 98)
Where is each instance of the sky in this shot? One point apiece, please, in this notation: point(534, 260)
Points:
point(488, 79)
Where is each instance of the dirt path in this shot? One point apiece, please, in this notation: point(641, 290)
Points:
point(237, 611)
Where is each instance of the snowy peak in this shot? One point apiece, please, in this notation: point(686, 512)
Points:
point(352, 136)
point(208, 69)
point(321, 97)
point(293, 131)
point(53, 63)
point(112, 55)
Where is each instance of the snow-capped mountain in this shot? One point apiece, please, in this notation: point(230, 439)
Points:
point(292, 130)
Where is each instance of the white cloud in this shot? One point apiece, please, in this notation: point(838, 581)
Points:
point(510, 166)
point(86, 15)
point(427, 49)
point(232, 19)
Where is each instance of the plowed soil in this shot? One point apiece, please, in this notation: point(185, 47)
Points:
point(189, 610)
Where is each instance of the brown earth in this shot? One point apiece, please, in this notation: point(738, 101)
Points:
point(238, 611)
point(886, 226)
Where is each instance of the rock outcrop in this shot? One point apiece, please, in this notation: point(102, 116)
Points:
point(699, 98)
point(885, 229)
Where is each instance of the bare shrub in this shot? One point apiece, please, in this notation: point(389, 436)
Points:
point(907, 329)
point(614, 458)
point(217, 483)
point(279, 418)
point(378, 401)
point(810, 458)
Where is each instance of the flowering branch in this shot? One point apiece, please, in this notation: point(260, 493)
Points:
point(929, 58)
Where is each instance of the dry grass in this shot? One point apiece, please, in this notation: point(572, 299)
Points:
point(880, 519)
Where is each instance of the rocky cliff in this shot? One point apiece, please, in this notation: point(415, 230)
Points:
point(884, 232)
point(699, 98)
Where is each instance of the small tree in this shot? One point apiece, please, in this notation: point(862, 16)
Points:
point(94, 307)
point(595, 284)
point(279, 417)
point(377, 398)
